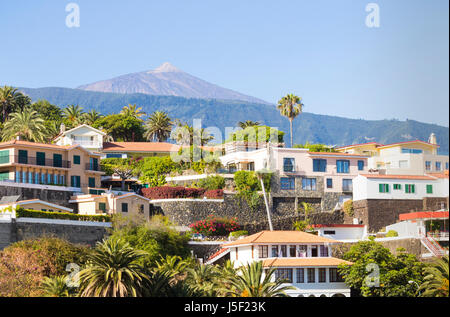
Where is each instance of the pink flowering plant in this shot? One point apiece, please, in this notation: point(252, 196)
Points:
point(215, 226)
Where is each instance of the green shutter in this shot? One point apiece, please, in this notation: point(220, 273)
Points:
point(413, 189)
point(4, 157)
point(23, 156)
point(57, 160)
point(40, 158)
point(102, 207)
point(429, 189)
point(380, 188)
point(76, 159)
point(91, 182)
point(386, 188)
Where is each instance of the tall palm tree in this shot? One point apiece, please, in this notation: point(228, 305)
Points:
point(73, 114)
point(184, 134)
point(248, 123)
point(202, 279)
point(90, 117)
point(290, 106)
point(252, 281)
point(436, 281)
point(158, 127)
point(10, 100)
point(112, 270)
point(132, 111)
point(25, 124)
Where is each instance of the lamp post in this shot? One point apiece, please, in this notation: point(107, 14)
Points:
point(417, 284)
point(260, 175)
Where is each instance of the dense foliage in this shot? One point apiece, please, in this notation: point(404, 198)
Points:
point(26, 213)
point(212, 182)
point(215, 226)
point(166, 192)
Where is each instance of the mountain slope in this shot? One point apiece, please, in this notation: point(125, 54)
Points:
point(309, 127)
point(169, 81)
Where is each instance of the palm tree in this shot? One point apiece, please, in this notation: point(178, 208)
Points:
point(290, 106)
point(90, 117)
point(73, 115)
point(112, 270)
point(436, 279)
point(185, 134)
point(245, 124)
point(202, 279)
point(252, 281)
point(25, 124)
point(172, 266)
point(10, 100)
point(55, 286)
point(132, 111)
point(158, 127)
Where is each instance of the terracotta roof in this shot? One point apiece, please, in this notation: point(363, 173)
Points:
point(439, 175)
point(219, 252)
point(423, 214)
point(140, 147)
point(288, 262)
point(419, 177)
point(353, 145)
point(46, 145)
point(406, 142)
point(337, 154)
point(280, 237)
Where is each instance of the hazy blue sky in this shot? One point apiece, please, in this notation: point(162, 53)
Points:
point(319, 50)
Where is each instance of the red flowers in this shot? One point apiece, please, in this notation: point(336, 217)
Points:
point(214, 226)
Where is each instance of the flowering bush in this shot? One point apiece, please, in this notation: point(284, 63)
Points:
point(214, 194)
point(214, 226)
point(166, 192)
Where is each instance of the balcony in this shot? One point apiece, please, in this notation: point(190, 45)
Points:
point(87, 144)
point(28, 160)
point(93, 167)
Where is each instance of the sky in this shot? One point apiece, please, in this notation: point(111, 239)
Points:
point(322, 51)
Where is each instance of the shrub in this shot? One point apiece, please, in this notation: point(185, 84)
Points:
point(27, 213)
point(214, 226)
point(391, 233)
point(166, 192)
point(348, 208)
point(212, 182)
point(240, 233)
point(214, 194)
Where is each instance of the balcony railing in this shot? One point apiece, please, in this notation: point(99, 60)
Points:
point(438, 235)
point(93, 167)
point(91, 144)
point(28, 160)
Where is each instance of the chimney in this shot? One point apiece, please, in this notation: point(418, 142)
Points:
point(432, 139)
point(62, 128)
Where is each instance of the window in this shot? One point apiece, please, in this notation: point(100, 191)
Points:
point(329, 232)
point(292, 251)
point(322, 275)
point(287, 183)
point(343, 166)
point(335, 277)
point(410, 188)
point(438, 166)
point(274, 251)
point(288, 164)
point(263, 251)
point(40, 158)
point(302, 251)
point(284, 274)
point(102, 207)
point(75, 181)
point(300, 276)
point(397, 186)
point(141, 210)
point(323, 251)
point(383, 188)
point(93, 164)
point(311, 275)
point(4, 157)
point(124, 207)
point(319, 165)
point(428, 165)
point(283, 251)
point(57, 160)
point(329, 183)
point(113, 155)
point(4, 176)
point(347, 185)
point(309, 184)
point(446, 166)
point(251, 166)
point(314, 251)
point(403, 164)
point(411, 151)
point(23, 156)
point(76, 159)
point(429, 189)
point(91, 181)
point(360, 165)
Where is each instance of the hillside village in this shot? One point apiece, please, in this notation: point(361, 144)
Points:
point(253, 199)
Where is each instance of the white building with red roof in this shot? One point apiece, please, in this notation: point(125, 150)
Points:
point(301, 258)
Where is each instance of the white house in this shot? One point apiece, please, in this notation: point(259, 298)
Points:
point(372, 186)
point(84, 135)
point(303, 259)
point(342, 232)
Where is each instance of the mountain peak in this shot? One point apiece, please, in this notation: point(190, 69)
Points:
point(166, 68)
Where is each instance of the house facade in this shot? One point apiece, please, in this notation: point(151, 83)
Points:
point(84, 135)
point(301, 258)
point(68, 167)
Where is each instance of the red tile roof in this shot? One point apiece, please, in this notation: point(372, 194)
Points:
point(337, 225)
point(337, 154)
point(439, 175)
point(423, 214)
point(140, 147)
point(219, 252)
point(418, 177)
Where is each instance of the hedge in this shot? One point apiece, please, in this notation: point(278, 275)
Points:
point(27, 213)
point(166, 192)
point(214, 194)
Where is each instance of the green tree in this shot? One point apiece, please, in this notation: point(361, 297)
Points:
point(394, 272)
point(73, 115)
point(435, 282)
point(202, 279)
point(290, 106)
point(184, 134)
point(132, 111)
point(122, 128)
point(248, 123)
point(91, 117)
point(112, 270)
point(315, 147)
point(257, 134)
point(25, 124)
point(252, 281)
point(158, 127)
point(11, 100)
point(55, 286)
